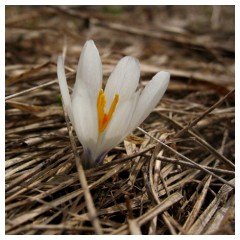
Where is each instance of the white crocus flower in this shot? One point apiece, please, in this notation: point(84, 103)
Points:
point(103, 118)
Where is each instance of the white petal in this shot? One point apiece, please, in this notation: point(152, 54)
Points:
point(85, 118)
point(149, 98)
point(89, 69)
point(123, 80)
point(64, 87)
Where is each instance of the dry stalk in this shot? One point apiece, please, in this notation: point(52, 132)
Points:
point(88, 198)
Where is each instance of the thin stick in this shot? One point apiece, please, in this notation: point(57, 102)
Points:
point(187, 164)
point(204, 114)
point(82, 177)
point(153, 190)
point(30, 90)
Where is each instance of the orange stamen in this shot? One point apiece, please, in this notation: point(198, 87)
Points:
point(104, 118)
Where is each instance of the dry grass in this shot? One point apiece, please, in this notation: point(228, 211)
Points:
point(173, 175)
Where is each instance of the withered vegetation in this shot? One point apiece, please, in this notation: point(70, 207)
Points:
point(174, 174)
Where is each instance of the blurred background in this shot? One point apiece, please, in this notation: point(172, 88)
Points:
point(192, 42)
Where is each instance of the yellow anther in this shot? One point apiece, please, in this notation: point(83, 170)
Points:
point(104, 118)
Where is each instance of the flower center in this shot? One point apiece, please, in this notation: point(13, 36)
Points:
point(104, 118)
